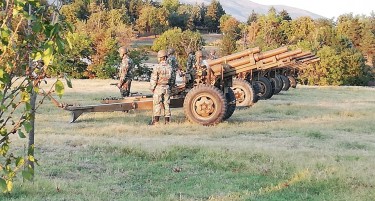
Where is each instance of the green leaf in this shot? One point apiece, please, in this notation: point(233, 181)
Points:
point(59, 88)
point(37, 27)
point(27, 126)
point(3, 185)
point(9, 186)
point(47, 55)
point(21, 134)
point(69, 43)
point(27, 175)
point(20, 161)
point(36, 89)
point(28, 106)
point(60, 44)
point(25, 97)
point(31, 158)
point(68, 80)
point(1, 73)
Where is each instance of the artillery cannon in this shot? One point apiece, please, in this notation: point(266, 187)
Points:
point(211, 99)
point(262, 73)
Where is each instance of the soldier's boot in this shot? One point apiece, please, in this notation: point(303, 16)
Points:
point(167, 120)
point(155, 121)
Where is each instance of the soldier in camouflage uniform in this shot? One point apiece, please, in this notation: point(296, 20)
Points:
point(212, 55)
point(190, 71)
point(125, 73)
point(172, 61)
point(160, 85)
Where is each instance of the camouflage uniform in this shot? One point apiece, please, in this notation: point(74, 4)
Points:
point(126, 75)
point(172, 61)
point(160, 85)
point(190, 71)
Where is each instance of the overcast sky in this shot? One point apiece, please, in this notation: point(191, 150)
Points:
point(327, 8)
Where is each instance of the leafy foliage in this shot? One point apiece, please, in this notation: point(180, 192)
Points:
point(181, 41)
point(26, 52)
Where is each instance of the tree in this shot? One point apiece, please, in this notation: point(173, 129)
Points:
point(213, 15)
point(181, 41)
point(284, 15)
point(153, 20)
point(26, 51)
point(231, 31)
point(253, 17)
point(170, 5)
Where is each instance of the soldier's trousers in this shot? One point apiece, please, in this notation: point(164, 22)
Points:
point(161, 100)
point(125, 88)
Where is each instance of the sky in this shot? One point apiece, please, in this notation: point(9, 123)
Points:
point(327, 8)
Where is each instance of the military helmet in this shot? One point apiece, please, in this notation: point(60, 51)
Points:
point(123, 50)
point(162, 53)
point(171, 51)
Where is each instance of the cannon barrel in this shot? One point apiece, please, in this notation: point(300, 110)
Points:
point(288, 54)
point(270, 53)
point(243, 60)
point(308, 59)
point(312, 61)
point(305, 57)
point(235, 56)
point(302, 54)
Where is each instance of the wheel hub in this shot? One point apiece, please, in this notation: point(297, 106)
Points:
point(204, 106)
point(239, 94)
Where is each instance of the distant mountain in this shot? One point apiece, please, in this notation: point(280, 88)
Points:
point(241, 9)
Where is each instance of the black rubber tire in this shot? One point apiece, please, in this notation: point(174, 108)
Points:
point(215, 105)
point(231, 104)
point(244, 93)
point(286, 83)
point(256, 88)
point(265, 86)
point(278, 84)
point(293, 82)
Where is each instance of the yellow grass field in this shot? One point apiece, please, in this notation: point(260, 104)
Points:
point(311, 143)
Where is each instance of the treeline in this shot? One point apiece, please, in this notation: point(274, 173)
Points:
point(345, 46)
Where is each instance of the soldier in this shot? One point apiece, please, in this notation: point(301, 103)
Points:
point(212, 55)
point(160, 85)
point(172, 61)
point(190, 71)
point(125, 73)
point(202, 66)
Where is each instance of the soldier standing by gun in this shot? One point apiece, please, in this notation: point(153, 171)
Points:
point(125, 73)
point(190, 71)
point(212, 55)
point(172, 61)
point(160, 85)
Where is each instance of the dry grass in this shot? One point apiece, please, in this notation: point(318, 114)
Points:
point(328, 130)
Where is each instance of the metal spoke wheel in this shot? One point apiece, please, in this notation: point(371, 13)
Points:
point(265, 88)
point(205, 105)
point(244, 93)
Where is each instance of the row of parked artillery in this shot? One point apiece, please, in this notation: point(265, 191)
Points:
point(239, 79)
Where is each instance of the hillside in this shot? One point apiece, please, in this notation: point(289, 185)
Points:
point(241, 9)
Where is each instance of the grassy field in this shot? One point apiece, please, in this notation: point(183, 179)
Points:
point(309, 143)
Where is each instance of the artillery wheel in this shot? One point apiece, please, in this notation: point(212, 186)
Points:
point(278, 83)
point(286, 83)
point(231, 104)
point(265, 88)
point(244, 93)
point(293, 82)
point(205, 104)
